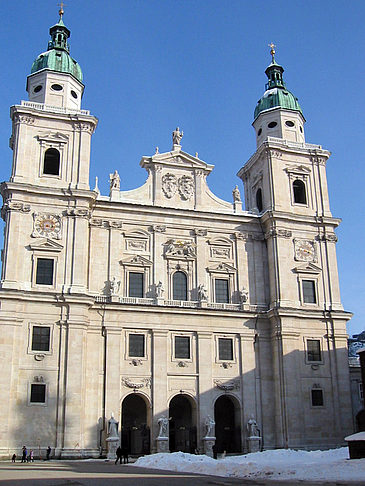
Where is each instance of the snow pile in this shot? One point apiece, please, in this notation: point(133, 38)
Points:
point(276, 464)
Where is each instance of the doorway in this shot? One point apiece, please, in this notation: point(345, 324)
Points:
point(182, 431)
point(135, 432)
point(227, 425)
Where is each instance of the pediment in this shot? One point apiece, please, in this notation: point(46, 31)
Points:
point(136, 260)
point(221, 268)
point(307, 268)
point(137, 233)
point(46, 245)
point(53, 137)
point(176, 159)
point(220, 241)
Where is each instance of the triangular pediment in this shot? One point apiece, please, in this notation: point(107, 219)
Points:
point(45, 244)
point(307, 268)
point(176, 159)
point(221, 268)
point(136, 260)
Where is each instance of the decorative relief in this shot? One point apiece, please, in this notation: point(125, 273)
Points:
point(327, 237)
point(115, 224)
point(136, 245)
point(98, 222)
point(180, 249)
point(158, 228)
point(241, 236)
point(28, 120)
point(304, 250)
point(278, 233)
point(186, 187)
point(16, 206)
point(220, 252)
point(258, 236)
point(169, 185)
point(46, 225)
point(145, 382)
point(77, 213)
point(39, 357)
point(276, 154)
point(181, 364)
point(84, 127)
point(227, 386)
point(38, 379)
point(200, 232)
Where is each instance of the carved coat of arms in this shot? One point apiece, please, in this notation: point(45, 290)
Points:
point(186, 187)
point(169, 185)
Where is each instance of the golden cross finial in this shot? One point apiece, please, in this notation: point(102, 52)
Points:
point(61, 11)
point(272, 51)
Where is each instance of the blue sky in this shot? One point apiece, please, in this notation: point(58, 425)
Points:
point(152, 65)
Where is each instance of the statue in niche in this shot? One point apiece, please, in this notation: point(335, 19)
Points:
point(159, 290)
point(236, 194)
point(112, 427)
point(252, 428)
point(177, 136)
point(243, 295)
point(163, 423)
point(114, 286)
point(210, 424)
point(202, 292)
point(114, 180)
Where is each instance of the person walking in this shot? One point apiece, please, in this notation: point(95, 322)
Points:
point(13, 458)
point(125, 455)
point(24, 454)
point(48, 453)
point(119, 455)
point(31, 456)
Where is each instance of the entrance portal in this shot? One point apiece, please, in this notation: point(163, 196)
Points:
point(182, 432)
point(135, 433)
point(227, 425)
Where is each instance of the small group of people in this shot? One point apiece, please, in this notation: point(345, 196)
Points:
point(122, 453)
point(29, 457)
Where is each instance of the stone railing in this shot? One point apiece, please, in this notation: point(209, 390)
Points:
point(305, 145)
point(53, 109)
point(136, 300)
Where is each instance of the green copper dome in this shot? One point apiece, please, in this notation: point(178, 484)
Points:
point(57, 57)
point(276, 94)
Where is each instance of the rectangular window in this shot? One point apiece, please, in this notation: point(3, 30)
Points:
point(135, 284)
point(136, 345)
point(182, 347)
point(317, 398)
point(309, 292)
point(38, 393)
point(225, 349)
point(44, 274)
point(221, 290)
point(40, 338)
point(314, 350)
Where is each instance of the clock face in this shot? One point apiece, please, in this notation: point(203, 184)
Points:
point(47, 225)
point(304, 251)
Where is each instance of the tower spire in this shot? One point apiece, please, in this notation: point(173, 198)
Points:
point(272, 52)
point(61, 11)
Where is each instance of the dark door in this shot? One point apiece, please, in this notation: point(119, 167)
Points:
point(227, 431)
point(182, 433)
point(135, 433)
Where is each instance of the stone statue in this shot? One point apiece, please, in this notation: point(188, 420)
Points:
point(243, 295)
point(202, 292)
point(114, 180)
point(177, 136)
point(163, 423)
point(210, 424)
point(236, 195)
point(159, 289)
point(252, 428)
point(112, 427)
point(114, 286)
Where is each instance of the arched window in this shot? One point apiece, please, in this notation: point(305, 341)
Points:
point(259, 199)
point(299, 192)
point(179, 286)
point(51, 162)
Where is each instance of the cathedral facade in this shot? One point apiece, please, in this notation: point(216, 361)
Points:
point(194, 320)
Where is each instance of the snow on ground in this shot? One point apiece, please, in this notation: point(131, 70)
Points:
point(276, 464)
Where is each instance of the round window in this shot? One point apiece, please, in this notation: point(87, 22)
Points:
point(57, 87)
point(73, 94)
point(289, 123)
point(272, 124)
point(259, 132)
point(38, 88)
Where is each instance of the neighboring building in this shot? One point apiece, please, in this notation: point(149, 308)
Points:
point(356, 344)
point(166, 301)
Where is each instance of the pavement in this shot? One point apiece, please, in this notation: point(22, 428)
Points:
point(101, 472)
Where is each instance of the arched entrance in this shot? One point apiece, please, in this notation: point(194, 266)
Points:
point(135, 432)
point(182, 431)
point(227, 424)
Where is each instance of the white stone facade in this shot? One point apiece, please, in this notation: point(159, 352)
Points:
point(256, 299)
